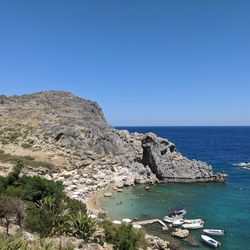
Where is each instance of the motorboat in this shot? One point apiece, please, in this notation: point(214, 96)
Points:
point(178, 223)
point(243, 164)
point(191, 221)
point(192, 225)
point(116, 222)
point(175, 214)
point(127, 220)
point(210, 241)
point(136, 226)
point(214, 231)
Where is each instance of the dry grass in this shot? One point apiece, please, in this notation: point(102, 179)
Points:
point(27, 160)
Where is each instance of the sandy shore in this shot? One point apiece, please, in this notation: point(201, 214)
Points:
point(93, 203)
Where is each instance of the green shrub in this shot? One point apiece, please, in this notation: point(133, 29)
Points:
point(75, 206)
point(11, 243)
point(124, 237)
point(36, 188)
point(38, 220)
point(81, 226)
point(16, 243)
point(48, 210)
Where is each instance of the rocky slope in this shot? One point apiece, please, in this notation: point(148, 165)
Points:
point(66, 137)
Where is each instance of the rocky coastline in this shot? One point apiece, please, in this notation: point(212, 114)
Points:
point(84, 151)
point(66, 138)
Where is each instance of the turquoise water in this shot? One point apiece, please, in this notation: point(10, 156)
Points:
point(208, 201)
point(224, 206)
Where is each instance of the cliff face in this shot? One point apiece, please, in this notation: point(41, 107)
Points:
point(72, 134)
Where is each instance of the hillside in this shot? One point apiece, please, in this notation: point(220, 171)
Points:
point(64, 137)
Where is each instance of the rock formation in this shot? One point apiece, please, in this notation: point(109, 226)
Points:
point(86, 153)
point(180, 233)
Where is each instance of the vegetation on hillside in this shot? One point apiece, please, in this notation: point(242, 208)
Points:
point(124, 236)
point(38, 205)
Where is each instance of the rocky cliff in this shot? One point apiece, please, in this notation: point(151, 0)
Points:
point(71, 135)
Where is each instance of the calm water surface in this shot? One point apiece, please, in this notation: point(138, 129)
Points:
point(225, 206)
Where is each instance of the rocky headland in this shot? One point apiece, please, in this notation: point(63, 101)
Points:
point(64, 137)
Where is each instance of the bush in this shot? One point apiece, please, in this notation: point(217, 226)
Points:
point(36, 188)
point(29, 188)
point(75, 206)
point(48, 210)
point(17, 243)
point(39, 220)
point(124, 237)
point(11, 243)
point(81, 226)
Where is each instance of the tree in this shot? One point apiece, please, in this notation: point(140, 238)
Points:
point(9, 208)
point(13, 177)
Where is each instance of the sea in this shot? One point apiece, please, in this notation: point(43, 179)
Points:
point(222, 206)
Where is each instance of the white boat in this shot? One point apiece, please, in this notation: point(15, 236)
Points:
point(191, 221)
point(136, 226)
point(242, 164)
point(192, 225)
point(178, 223)
point(210, 241)
point(116, 222)
point(214, 231)
point(176, 214)
point(126, 220)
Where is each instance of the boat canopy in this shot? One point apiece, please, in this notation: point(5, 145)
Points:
point(176, 209)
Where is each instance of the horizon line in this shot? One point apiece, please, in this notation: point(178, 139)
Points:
point(180, 126)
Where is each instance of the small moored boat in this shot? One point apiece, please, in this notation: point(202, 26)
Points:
point(176, 214)
point(214, 231)
point(191, 221)
point(210, 241)
point(192, 226)
point(126, 220)
point(116, 222)
point(178, 223)
point(136, 226)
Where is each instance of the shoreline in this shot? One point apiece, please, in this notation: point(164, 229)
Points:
point(93, 201)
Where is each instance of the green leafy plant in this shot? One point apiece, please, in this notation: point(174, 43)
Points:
point(124, 237)
point(81, 226)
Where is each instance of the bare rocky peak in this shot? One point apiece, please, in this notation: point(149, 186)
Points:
point(58, 106)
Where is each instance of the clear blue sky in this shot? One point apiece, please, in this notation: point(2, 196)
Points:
point(157, 62)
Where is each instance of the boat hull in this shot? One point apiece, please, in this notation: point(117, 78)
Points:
point(213, 231)
point(210, 241)
point(172, 219)
point(193, 226)
point(178, 223)
point(194, 221)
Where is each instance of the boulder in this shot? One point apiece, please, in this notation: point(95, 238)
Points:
point(180, 233)
point(155, 243)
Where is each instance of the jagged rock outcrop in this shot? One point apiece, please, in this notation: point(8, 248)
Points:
point(72, 134)
point(155, 243)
